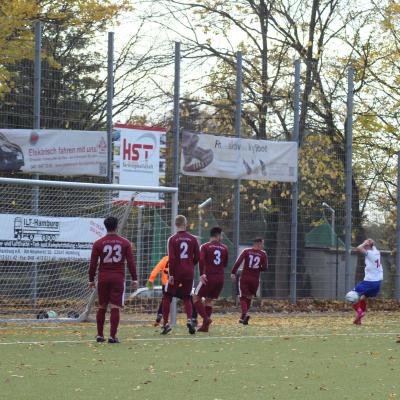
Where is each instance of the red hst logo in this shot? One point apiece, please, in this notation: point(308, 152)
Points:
point(131, 151)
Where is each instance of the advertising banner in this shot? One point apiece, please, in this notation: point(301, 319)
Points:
point(139, 159)
point(54, 152)
point(237, 158)
point(37, 239)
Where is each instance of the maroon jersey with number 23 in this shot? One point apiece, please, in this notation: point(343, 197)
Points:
point(113, 251)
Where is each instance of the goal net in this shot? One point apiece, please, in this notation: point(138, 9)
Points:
point(46, 236)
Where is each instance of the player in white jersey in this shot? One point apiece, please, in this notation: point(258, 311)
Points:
point(373, 276)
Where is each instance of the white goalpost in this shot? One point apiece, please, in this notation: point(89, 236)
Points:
point(46, 235)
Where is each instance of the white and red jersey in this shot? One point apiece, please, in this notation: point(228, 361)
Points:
point(373, 267)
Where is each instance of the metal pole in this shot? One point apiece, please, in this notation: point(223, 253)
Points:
point(139, 239)
point(295, 188)
point(176, 121)
point(174, 213)
point(37, 87)
point(110, 97)
point(238, 116)
point(176, 129)
point(397, 276)
point(349, 175)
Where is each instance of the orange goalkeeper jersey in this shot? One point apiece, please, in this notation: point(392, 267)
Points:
point(162, 267)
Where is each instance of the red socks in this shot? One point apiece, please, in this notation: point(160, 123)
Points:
point(201, 309)
point(166, 305)
point(187, 302)
point(114, 322)
point(208, 311)
point(363, 305)
point(243, 305)
point(100, 319)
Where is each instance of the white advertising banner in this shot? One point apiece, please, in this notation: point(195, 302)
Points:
point(138, 160)
point(54, 152)
point(32, 238)
point(236, 158)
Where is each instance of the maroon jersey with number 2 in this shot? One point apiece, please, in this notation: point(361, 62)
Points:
point(113, 251)
point(183, 253)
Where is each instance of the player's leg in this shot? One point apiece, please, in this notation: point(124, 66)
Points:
point(116, 299)
point(243, 292)
point(187, 284)
point(249, 291)
point(159, 311)
point(214, 288)
point(194, 311)
point(103, 290)
point(198, 300)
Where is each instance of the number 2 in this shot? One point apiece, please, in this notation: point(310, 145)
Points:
point(110, 257)
point(184, 248)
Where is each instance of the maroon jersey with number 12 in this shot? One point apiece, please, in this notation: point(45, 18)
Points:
point(113, 251)
point(183, 253)
point(254, 261)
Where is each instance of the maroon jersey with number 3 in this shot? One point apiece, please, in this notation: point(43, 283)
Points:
point(213, 258)
point(113, 251)
point(183, 253)
point(254, 261)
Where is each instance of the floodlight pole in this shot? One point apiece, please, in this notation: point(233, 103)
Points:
point(333, 213)
point(200, 210)
point(397, 275)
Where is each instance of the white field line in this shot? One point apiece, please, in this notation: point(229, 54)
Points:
point(200, 338)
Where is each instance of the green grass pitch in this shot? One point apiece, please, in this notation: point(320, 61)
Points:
point(291, 357)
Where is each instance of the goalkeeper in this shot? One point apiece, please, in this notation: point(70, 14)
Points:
point(163, 267)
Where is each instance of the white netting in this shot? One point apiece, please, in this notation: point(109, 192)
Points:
point(45, 244)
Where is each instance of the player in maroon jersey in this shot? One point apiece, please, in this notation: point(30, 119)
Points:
point(254, 261)
point(112, 250)
point(213, 260)
point(183, 253)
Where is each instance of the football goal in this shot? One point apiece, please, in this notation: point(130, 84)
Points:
point(47, 231)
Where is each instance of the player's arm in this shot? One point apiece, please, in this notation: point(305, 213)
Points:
point(131, 266)
point(361, 248)
point(196, 252)
point(202, 265)
point(156, 270)
point(264, 263)
point(94, 258)
point(226, 258)
point(236, 266)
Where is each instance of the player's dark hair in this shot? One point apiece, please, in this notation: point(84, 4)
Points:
point(258, 240)
point(111, 223)
point(215, 231)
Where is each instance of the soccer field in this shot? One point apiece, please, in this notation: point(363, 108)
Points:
point(290, 357)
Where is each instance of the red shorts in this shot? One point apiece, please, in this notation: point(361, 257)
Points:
point(182, 283)
point(110, 289)
point(212, 289)
point(248, 286)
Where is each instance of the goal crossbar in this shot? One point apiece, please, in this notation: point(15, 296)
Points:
point(61, 199)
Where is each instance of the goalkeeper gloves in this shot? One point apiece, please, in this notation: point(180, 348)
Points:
point(149, 285)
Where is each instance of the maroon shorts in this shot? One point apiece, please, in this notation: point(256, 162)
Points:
point(248, 286)
point(184, 283)
point(212, 289)
point(111, 289)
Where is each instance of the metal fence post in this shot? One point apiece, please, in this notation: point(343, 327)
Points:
point(110, 97)
point(397, 275)
point(238, 116)
point(295, 188)
point(176, 128)
point(37, 87)
point(349, 176)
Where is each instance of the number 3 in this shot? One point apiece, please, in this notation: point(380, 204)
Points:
point(109, 258)
point(217, 259)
